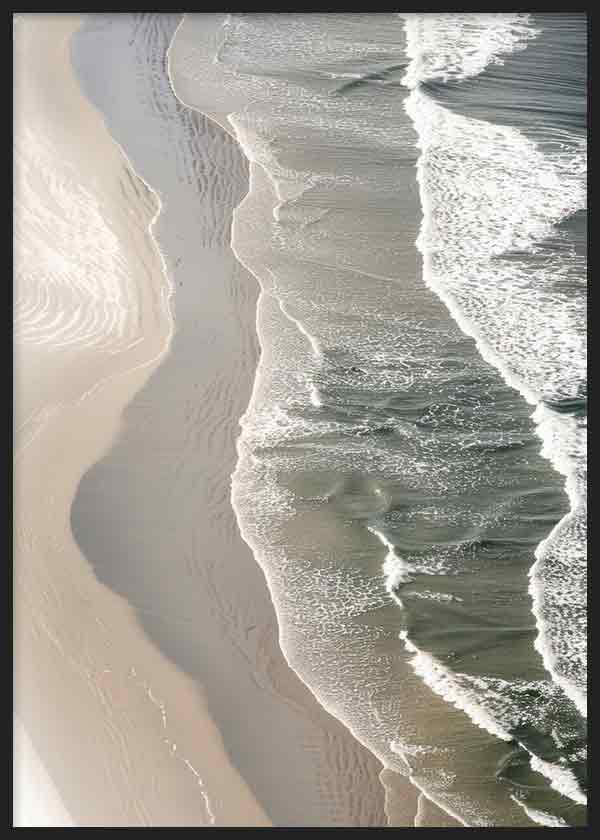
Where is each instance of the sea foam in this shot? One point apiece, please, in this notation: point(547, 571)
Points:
point(491, 199)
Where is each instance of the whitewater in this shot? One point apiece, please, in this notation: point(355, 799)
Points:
point(510, 197)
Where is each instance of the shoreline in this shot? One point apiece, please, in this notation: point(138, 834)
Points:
point(262, 455)
point(407, 804)
point(276, 486)
point(78, 647)
point(332, 780)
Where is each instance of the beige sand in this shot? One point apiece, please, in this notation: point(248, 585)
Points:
point(36, 800)
point(124, 735)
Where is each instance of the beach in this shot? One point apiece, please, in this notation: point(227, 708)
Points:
point(84, 672)
point(300, 406)
point(163, 649)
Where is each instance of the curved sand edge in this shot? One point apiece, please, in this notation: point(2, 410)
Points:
point(107, 713)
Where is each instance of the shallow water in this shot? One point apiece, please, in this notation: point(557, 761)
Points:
point(390, 479)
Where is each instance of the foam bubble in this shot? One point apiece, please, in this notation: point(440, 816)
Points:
point(457, 46)
point(396, 570)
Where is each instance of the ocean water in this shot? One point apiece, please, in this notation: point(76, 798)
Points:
point(411, 472)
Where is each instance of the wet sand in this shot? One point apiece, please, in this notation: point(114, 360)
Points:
point(147, 668)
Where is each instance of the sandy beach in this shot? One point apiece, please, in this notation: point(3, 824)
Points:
point(300, 413)
point(99, 704)
point(147, 669)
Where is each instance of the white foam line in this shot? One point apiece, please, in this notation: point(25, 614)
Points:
point(159, 704)
point(347, 268)
point(442, 681)
point(174, 752)
point(540, 817)
point(467, 326)
point(331, 708)
point(395, 570)
point(396, 748)
point(536, 590)
point(502, 34)
point(315, 346)
point(533, 397)
point(171, 744)
point(203, 793)
point(560, 778)
point(315, 396)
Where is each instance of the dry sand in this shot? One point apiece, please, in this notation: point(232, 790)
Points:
point(147, 670)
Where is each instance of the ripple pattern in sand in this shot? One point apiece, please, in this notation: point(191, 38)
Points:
point(66, 296)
